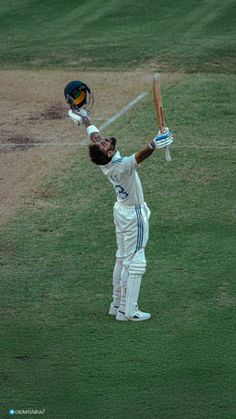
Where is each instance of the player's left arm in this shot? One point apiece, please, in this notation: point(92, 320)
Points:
point(143, 154)
point(160, 141)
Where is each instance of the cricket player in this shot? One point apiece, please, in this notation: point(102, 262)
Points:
point(131, 214)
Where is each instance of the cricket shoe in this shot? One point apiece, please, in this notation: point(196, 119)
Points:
point(113, 310)
point(138, 316)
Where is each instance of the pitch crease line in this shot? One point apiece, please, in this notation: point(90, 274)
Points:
point(123, 111)
point(174, 147)
point(83, 142)
point(119, 114)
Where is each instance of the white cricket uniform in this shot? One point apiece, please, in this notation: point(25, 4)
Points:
point(131, 216)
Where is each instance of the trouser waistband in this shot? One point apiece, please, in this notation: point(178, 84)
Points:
point(120, 205)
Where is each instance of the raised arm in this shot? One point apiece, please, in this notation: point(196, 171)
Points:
point(144, 153)
point(160, 141)
point(92, 130)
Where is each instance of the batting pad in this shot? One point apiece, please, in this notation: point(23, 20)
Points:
point(132, 293)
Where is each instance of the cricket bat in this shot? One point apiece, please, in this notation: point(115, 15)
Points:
point(159, 109)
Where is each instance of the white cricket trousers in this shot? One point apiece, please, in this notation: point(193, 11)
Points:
point(132, 233)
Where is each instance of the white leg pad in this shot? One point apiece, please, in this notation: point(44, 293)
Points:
point(124, 280)
point(116, 282)
point(132, 293)
point(136, 269)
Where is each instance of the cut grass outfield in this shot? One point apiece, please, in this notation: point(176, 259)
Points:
point(182, 35)
point(60, 349)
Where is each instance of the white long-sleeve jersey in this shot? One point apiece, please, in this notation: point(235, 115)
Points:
point(122, 173)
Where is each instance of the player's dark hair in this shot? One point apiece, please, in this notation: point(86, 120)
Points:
point(97, 156)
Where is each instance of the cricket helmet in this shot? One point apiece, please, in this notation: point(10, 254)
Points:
point(78, 94)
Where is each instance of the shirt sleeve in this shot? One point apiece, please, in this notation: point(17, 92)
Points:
point(124, 164)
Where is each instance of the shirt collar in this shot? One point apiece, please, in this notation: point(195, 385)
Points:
point(116, 156)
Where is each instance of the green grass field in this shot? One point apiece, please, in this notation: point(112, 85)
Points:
point(60, 351)
point(183, 35)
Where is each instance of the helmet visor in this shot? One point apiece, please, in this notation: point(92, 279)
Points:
point(79, 97)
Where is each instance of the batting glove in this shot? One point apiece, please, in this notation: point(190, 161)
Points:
point(162, 139)
point(83, 113)
point(75, 117)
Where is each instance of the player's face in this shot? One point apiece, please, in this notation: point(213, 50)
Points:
point(107, 144)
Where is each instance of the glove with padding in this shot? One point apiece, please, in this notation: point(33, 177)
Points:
point(162, 139)
point(77, 116)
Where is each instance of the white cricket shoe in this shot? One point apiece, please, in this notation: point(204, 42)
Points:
point(113, 310)
point(137, 317)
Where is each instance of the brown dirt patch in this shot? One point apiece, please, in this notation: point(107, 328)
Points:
point(34, 126)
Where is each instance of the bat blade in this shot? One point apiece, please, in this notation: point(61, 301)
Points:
point(157, 100)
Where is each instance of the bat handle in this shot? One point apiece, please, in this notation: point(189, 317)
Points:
point(167, 154)
point(166, 149)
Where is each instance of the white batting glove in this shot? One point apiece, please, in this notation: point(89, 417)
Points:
point(83, 112)
point(162, 139)
point(75, 118)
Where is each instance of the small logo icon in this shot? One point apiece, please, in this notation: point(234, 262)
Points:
point(11, 412)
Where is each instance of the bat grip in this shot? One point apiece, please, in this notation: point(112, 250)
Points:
point(167, 148)
point(167, 154)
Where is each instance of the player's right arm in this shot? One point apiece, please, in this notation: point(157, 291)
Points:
point(92, 131)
